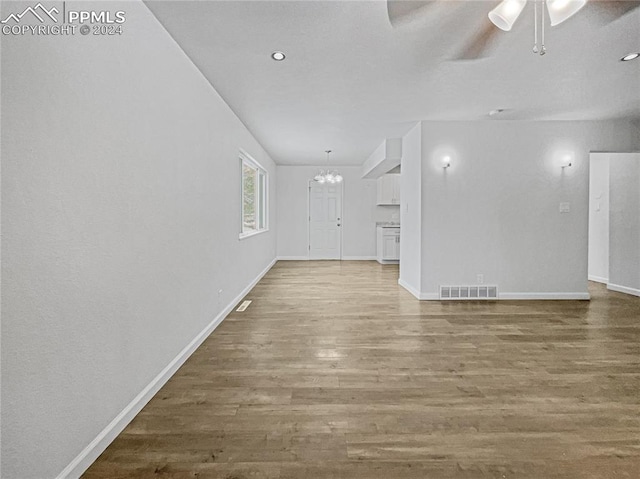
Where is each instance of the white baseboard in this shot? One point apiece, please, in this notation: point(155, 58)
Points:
point(96, 447)
point(429, 297)
point(623, 289)
point(544, 296)
point(419, 295)
point(598, 279)
point(409, 288)
point(344, 258)
point(503, 296)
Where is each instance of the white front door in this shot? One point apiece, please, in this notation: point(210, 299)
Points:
point(325, 221)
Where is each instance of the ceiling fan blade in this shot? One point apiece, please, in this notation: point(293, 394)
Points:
point(480, 44)
point(406, 11)
point(610, 10)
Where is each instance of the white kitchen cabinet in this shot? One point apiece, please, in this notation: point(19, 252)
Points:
point(389, 189)
point(388, 241)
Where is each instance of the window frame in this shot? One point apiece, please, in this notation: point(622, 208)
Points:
point(261, 197)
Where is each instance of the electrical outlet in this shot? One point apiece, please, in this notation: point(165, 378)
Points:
point(480, 278)
point(565, 207)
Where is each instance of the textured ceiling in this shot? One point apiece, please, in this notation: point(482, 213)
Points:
point(350, 79)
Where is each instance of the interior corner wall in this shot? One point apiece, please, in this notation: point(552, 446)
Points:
point(358, 206)
point(496, 210)
point(624, 223)
point(411, 210)
point(120, 219)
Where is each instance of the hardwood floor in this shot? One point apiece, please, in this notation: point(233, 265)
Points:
point(335, 371)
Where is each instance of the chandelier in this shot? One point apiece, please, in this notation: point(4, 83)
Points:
point(328, 176)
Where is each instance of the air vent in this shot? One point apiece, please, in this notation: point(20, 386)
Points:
point(459, 293)
point(244, 305)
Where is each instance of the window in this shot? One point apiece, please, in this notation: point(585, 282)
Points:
point(254, 197)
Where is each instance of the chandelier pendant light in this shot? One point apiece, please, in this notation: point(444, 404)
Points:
point(508, 11)
point(328, 176)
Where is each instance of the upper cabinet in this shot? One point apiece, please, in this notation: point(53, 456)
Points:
point(389, 190)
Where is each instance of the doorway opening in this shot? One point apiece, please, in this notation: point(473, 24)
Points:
point(614, 221)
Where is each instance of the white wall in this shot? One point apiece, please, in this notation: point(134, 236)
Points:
point(495, 211)
point(599, 217)
point(411, 211)
point(120, 221)
point(387, 214)
point(359, 212)
point(624, 232)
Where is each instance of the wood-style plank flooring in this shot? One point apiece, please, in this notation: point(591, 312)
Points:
point(335, 371)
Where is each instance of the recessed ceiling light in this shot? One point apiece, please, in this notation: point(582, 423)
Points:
point(497, 111)
point(630, 56)
point(278, 56)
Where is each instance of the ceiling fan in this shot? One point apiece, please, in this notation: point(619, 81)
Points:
point(504, 15)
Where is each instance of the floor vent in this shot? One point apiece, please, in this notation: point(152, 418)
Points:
point(244, 306)
point(468, 292)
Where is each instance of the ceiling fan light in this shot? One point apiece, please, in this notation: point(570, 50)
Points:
point(329, 176)
point(561, 10)
point(505, 14)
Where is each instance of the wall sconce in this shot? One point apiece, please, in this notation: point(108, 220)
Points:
point(446, 161)
point(565, 162)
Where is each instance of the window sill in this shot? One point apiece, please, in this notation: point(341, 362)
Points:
point(252, 233)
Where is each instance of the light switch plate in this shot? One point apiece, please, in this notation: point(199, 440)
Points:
point(565, 207)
